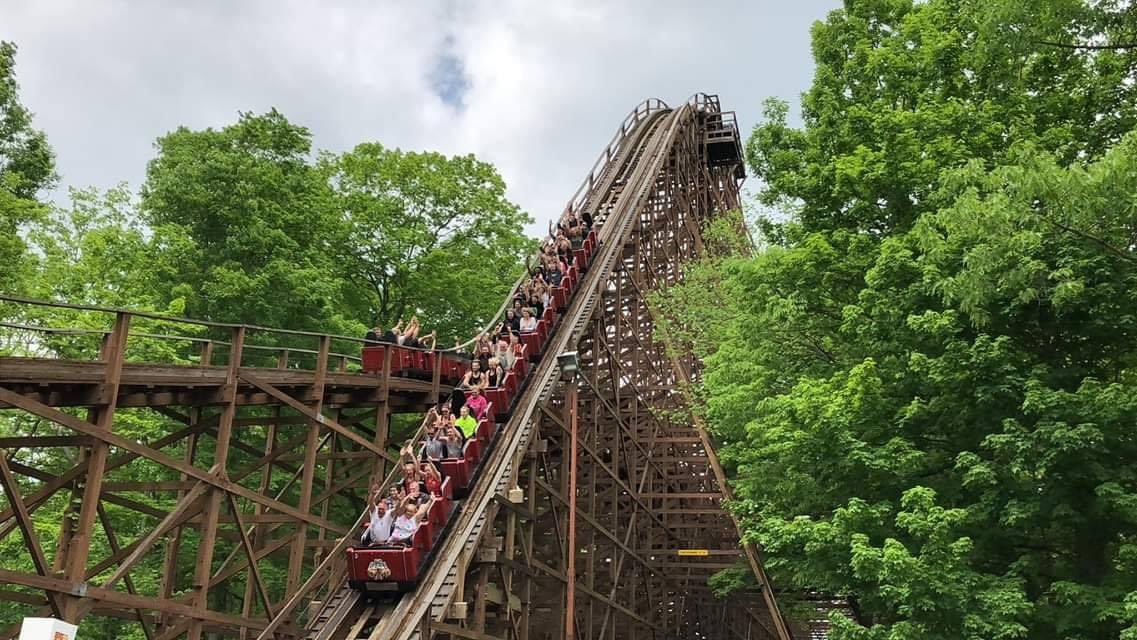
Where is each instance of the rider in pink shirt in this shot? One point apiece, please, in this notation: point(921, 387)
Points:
point(477, 403)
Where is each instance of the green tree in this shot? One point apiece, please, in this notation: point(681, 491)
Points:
point(248, 229)
point(902, 91)
point(424, 234)
point(240, 221)
point(27, 167)
point(94, 251)
point(924, 384)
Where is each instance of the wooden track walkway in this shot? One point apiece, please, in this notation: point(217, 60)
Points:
point(76, 383)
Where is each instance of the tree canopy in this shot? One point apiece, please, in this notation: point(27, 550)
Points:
point(27, 167)
point(243, 224)
point(420, 231)
point(923, 382)
point(249, 228)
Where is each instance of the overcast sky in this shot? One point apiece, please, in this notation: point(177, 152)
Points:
point(536, 87)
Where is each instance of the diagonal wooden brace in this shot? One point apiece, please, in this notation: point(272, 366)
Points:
point(309, 413)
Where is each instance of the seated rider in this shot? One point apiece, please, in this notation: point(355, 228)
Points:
point(433, 480)
point(377, 334)
point(475, 378)
point(528, 322)
point(417, 496)
point(564, 248)
point(504, 354)
point(378, 530)
point(485, 352)
point(537, 303)
point(410, 334)
point(453, 441)
point(553, 273)
point(373, 334)
point(412, 477)
point(476, 403)
point(410, 517)
point(466, 422)
point(495, 374)
point(575, 232)
point(445, 418)
point(433, 449)
point(511, 324)
point(394, 496)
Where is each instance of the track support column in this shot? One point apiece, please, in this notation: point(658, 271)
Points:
point(570, 592)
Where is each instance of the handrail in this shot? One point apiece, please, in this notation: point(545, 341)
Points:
point(69, 332)
point(166, 336)
point(178, 319)
point(642, 111)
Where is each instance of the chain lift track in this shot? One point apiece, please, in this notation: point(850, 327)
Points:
point(439, 584)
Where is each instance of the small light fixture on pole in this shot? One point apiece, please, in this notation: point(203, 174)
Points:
point(569, 364)
point(570, 368)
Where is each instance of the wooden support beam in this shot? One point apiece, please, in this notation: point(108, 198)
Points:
point(27, 528)
point(308, 474)
point(78, 548)
point(203, 567)
point(251, 554)
point(37, 442)
point(148, 486)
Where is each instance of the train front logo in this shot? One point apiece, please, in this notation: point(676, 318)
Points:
point(378, 570)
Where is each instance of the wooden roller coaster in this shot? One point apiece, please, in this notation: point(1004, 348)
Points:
point(597, 512)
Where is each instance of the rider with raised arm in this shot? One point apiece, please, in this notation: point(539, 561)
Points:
point(382, 517)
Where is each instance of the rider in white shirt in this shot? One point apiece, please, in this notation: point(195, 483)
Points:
point(528, 322)
point(379, 529)
point(410, 517)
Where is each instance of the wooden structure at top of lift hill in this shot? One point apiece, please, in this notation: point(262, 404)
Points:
point(265, 452)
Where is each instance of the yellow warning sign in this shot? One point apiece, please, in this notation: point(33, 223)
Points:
point(694, 552)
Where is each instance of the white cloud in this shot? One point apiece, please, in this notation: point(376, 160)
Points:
point(547, 82)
